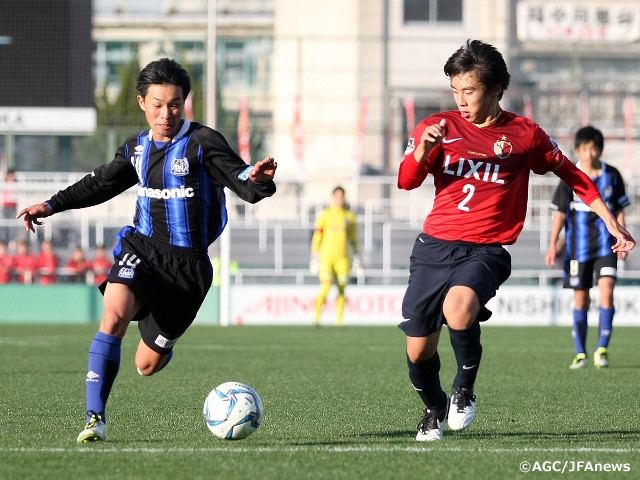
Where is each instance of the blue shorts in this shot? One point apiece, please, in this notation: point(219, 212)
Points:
point(436, 266)
point(172, 282)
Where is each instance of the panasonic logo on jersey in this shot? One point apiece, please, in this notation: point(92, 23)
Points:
point(166, 193)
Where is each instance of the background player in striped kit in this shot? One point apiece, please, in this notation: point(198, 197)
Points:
point(588, 244)
point(480, 157)
point(161, 270)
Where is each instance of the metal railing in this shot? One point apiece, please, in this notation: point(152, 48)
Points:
point(272, 237)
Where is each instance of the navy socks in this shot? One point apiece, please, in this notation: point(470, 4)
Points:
point(468, 351)
point(425, 378)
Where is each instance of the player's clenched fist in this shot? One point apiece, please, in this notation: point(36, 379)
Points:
point(431, 137)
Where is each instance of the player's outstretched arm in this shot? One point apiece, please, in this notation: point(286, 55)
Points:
point(264, 170)
point(33, 213)
point(625, 241)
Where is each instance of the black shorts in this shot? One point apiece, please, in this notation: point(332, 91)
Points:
point(436, 266)
point(579, 275)
point(172, 282)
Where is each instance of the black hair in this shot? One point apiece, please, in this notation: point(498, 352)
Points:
point(483, 59)
point(338, 188)
point(163, 72)
point(588, 134)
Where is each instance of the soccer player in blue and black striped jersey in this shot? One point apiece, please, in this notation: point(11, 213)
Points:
point(588, 244)
point(161, 271)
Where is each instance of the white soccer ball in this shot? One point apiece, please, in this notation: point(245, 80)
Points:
point(232, 410)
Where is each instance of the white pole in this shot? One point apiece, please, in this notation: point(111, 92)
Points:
point(210, 87)
point(225, 243)
point(225, 289)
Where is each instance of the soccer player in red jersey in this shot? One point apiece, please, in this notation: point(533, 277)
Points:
point(480, 157)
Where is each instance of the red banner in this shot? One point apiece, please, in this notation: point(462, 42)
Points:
point(528, 107)
point(244, 146)
point(585, 113)
point(410, 110)
point(359, 143)
point(628, 136)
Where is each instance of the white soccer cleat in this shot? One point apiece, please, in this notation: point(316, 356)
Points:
point(431, 427)
point(601, 358)
point(462, 410)
point(579, 362)
point(94, 431)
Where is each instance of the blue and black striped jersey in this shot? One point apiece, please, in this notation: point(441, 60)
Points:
point(180, 185)
point(587, 237)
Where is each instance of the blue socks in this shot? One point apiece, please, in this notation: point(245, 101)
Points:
point(606, 325)
point(579, 332)
point(104, 363)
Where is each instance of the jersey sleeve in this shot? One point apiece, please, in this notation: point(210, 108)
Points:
point(546, 156)
point(226, 167)
point(411, 174)
point(104, 183)
point(316, 240)
point(578, 181)
point(620, 194)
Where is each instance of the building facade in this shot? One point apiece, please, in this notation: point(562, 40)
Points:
point(334, 86)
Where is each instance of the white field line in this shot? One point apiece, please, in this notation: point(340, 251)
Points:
point(294, 449)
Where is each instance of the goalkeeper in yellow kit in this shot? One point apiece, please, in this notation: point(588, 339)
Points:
point(335, 228)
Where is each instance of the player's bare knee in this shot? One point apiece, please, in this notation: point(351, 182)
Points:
point(146, 370)
point(420, 349)
point(459, 317)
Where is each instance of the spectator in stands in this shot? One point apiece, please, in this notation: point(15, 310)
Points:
point(100, 265)
point(163, 269)
point(25, 263)
point(48, 263)
point(9, 198)
point(6, 264)
point(335, 230)
point(481, 158)
point(8, 203)
point(588, 244)
point(78, 266)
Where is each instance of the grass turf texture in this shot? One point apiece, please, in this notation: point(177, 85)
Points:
point(338, 405)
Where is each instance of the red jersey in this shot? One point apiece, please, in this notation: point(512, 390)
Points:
point(47, 266)
point(6, 267)
point(481, 176)
point(77, 270)
point(25, 266)
point(100, 268)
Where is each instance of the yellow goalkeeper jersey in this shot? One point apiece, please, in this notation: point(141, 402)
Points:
point(335, 228)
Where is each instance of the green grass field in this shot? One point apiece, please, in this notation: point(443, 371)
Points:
point(338, 405)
